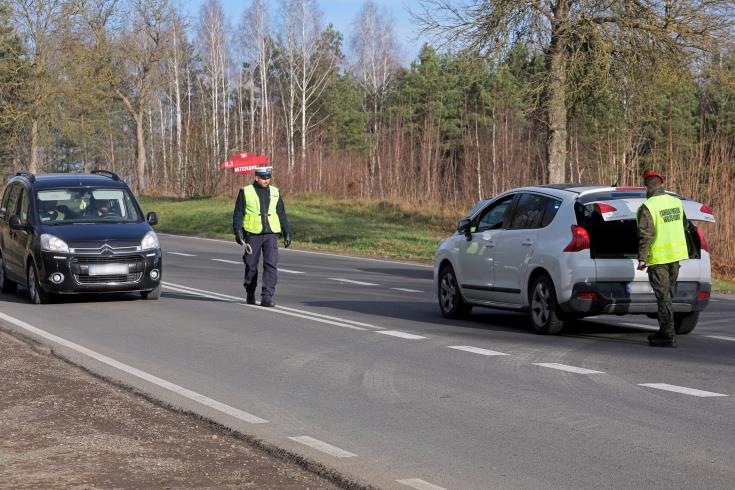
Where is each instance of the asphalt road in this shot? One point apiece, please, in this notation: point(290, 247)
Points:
point(357, 369)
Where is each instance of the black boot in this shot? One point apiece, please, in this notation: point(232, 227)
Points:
point(267, 302)
point(250, 299)
point(658, 340)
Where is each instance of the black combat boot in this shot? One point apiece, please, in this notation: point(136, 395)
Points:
point(657, 340)
point(267, 302)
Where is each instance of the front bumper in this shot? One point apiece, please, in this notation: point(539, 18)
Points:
point(619, 298)
point(80, 276)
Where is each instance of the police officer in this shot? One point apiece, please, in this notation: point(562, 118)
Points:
point(258, 219)
point(662, 244)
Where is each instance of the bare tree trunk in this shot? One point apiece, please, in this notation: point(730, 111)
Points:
point(33, 165)
point(556, 103)
point(140, 151)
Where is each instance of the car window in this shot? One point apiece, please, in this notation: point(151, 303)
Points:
point(492, 218)
point(12, 202)
point(24, 207)
point(529, 211)
point(86, 205)
point(552, 207)
point(6, 198)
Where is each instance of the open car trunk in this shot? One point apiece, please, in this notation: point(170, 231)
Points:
point(610, 220)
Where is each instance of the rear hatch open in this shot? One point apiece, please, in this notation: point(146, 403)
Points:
point(609, 216)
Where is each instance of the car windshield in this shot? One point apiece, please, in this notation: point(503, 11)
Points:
point(86, 205)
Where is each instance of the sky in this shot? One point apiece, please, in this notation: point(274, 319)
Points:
point(342, 14)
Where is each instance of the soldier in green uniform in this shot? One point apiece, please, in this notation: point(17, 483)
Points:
point(662, 244)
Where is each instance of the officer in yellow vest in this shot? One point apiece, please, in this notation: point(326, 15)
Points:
point(259, 218)
point(662, 244)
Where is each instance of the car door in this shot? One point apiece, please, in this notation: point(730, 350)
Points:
point(476, 256)
point(10, 250)
point(514, 248)
point(20, 239)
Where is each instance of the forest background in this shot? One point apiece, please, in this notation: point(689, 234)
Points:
point(509, 94)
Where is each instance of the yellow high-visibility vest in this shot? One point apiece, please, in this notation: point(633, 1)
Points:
point(252, 220)
point(669, 244)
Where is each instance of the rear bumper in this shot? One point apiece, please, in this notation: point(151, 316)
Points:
point(615, 298)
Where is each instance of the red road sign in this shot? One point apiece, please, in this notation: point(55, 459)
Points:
point(245, 163)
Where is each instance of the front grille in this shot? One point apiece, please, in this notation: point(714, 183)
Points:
point(99, 250)
point(108, 259)
point(109, 280)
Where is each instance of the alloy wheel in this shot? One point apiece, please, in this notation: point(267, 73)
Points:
point(448, 291)
point(32, 291)
point(540, 304)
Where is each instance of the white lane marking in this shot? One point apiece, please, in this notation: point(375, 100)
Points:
point(402, 335)
point(406, 290)
point(477, 350)
point(681, 389)
point(283, 310)
point(289, 250)
point(179, 390)
point(359, 283)
point(323, 447)
point(226, 261)
point(564, 367)
point(182, 254)
point(420, 484)
point(720, 337)
point(716, 322)
point(289, 271)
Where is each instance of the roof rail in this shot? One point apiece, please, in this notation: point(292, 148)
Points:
point(28, 175)
point(106, 173)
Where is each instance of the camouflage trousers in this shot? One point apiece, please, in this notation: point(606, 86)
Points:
point(663, 282)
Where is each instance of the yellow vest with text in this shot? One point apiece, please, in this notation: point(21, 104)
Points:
point(252, 219)
point(669, 244)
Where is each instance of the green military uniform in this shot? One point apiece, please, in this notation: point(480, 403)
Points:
point(662, 244)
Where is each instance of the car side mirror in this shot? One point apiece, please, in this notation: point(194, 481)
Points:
point(464, 227)
point(15, 223)
point(152, 218)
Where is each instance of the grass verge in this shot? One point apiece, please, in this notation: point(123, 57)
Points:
point(371, 228)
point(726, 287)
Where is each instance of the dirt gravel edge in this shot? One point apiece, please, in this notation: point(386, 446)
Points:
point(312, 466)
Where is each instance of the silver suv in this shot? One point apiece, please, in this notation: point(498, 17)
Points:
point(561, 252)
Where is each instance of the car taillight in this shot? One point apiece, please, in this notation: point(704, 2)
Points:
point(606, 208)
point(580, 240)
point(702, 240)
point(703, 295)
point(706, 210)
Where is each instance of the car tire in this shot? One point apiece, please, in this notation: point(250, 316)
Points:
point(546, 317)
point(6, 285)
point(451, 302)
point(684, 323)
point(35, 292)
point(153, 294)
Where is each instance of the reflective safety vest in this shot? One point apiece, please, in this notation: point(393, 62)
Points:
point(252, 220)
point(669, 244)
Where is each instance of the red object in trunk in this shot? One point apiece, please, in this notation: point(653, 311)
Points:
point(702, 240)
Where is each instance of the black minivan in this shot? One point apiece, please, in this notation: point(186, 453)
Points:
point(67, 233)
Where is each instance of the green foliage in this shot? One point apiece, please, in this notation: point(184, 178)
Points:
point(345, 129)
point(13, 75)
point(318, 222)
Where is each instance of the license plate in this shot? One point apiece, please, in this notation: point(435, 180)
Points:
point(108, 269)
point(639, 288)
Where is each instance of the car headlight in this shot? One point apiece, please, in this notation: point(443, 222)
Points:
point(149, 241)
point(52, 243)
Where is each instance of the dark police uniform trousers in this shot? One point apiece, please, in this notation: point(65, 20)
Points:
point(268, 244)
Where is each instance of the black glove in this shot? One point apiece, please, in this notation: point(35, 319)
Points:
point(238, 237)
point(287, 240)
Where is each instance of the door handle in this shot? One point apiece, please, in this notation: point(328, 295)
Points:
point(527, 242)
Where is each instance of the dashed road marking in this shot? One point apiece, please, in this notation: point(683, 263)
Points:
point(289, 271)
point(420, 484)
point(682, 389)
point(720, 337)
point(350, 281)
point(402, 335)
point(569, 369)
point(226, 261)
point(182, 254)
point(179, 390)
point(406, 290)
point(477, 350)
point(323, 447)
